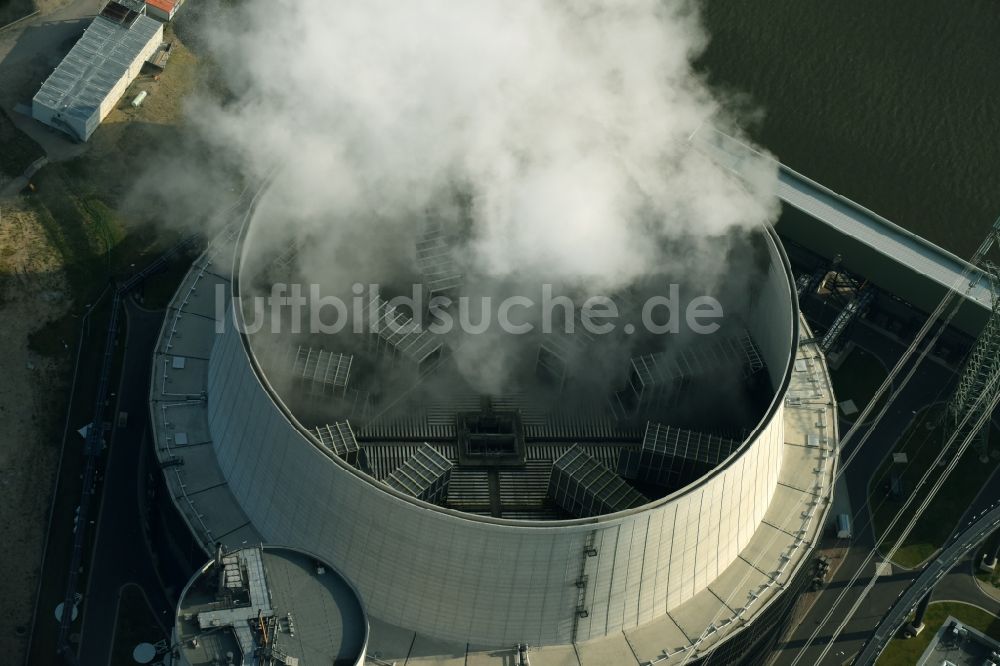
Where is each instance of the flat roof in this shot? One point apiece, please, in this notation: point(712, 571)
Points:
point(164, 5)
point(960, 645)
point(94, 65)
point(310, 614)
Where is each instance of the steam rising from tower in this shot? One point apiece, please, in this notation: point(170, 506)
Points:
point(562, 125)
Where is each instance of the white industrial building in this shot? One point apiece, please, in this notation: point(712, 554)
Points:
point(94, 75)
point(707, 565)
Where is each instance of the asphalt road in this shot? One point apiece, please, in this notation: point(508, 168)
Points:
point(957, 550)
point(929, 384)
point(121, 554)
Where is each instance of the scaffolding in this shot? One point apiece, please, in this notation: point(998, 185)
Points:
point(855, 308)
point(981, 372)
point(339, 439)
point(560, 350)
point(283, 262)
point(585, 487)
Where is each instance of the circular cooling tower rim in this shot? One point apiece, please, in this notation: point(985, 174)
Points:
point(769, 233)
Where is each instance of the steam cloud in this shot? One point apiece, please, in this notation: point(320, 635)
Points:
point(566, 122)
point(553, 136)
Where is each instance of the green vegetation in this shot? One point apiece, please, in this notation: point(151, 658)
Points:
point(906, 651)
point(858, 378)
point(921, 444)
point(78, 214)
point(136, 624)
point(888, 103)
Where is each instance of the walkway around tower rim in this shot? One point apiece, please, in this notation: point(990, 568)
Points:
point(775, 554)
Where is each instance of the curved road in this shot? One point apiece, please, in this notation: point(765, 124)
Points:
point(962, 544)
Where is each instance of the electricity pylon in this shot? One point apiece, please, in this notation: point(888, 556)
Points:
point(982, 368)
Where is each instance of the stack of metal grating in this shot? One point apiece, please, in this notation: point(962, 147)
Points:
point(660, 378)
point(321, 372)
point(672, 457)
point(584, 487)
point(436, 263)
point(424, 475)
point(339, 438)
point(394, 333)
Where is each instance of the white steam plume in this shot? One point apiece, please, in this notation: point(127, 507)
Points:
point(566, 121)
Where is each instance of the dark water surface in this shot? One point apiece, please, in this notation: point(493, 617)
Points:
point(895, 104)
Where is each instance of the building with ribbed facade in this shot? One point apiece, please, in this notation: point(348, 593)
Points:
point(661, 521)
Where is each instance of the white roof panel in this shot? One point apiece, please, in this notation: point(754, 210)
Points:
point(94, 65)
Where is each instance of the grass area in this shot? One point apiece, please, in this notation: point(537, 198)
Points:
point(78, 205)
point(88, 206)
point(858, 378)
point(888, 103)
point(921, 445)
point(906, 651)
point(135, 624)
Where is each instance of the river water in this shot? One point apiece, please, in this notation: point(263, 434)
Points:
point(893, 103)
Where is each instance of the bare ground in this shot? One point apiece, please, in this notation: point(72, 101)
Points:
point(32, 293)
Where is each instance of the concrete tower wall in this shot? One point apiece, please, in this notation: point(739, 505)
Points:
point(491, 582)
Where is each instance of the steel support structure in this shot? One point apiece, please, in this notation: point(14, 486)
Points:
point(980, 371)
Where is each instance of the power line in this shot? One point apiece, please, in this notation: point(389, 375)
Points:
point(984, 398)
point(992, 398)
